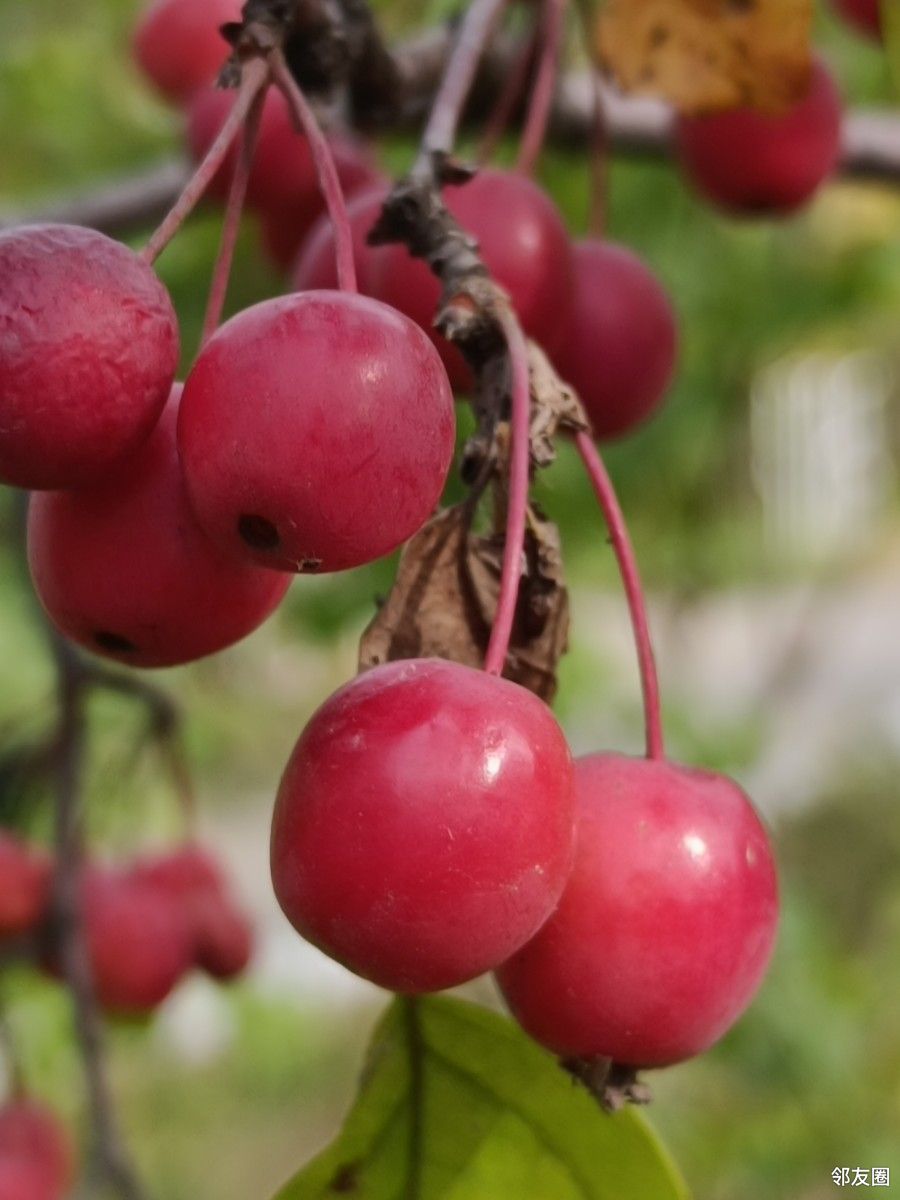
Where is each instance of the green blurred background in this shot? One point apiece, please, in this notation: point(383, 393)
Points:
point(777, 629)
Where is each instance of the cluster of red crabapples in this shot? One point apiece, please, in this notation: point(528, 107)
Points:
point(147, 922)
point(431, 824)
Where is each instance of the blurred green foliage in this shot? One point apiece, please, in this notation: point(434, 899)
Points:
point(809, 1080)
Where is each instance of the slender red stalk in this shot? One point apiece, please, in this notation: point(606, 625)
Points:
point(253, 81)
point(510, 97)
point(329, 181)
point(474, 34)
point(231, 222)
point(599, 141)
point(628, 568)
point(552, 25)
point(517, 504)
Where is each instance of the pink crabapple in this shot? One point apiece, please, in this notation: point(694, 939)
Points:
point(620, 345)
point(123, 569)
point(88, 351)
point(756, 163)
point(423, 827)
point(666, 925)
point(316, 431)
point(25, 876)
point(178, 46)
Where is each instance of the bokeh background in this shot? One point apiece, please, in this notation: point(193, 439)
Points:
point(763, 502)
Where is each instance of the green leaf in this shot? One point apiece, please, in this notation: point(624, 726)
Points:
point(890, 26)
point(457, 1104)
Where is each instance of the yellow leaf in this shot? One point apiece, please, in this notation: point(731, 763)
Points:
point(703, 55)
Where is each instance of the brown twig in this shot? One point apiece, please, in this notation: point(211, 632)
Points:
point(109, 1164)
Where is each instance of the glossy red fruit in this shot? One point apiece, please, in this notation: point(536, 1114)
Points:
point(666, 925)
point(526, 248)
point(286, 230)
point(139, 941)
point(424, 824)
point(222, 935)
point(178, 45)
point(225, 947)
point(88, 350)
point(24, 886)
point(316, 268)
point(620, 344)
point(751, 162)
point(123, 569)
point(316, 431)
point(864, 15)
point(283, 180)
point(24, 1179)
point(36, 1153)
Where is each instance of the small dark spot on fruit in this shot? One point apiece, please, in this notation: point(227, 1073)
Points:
point(258, 532)
point(345, 1179)
point(113, 642)
point(309, 566)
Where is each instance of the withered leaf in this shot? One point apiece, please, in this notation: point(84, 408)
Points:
point(703, 55)
point(444, 598)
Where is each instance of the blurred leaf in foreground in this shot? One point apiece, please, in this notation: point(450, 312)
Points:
point(456, 1103)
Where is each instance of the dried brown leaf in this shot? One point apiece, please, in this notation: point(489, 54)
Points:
point(703, 55)
point(444, 598)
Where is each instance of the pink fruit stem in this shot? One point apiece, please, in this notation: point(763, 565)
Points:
point(599, 149)
point(513, 90)
point(517, 504)
point(538, 119)
point(326, 170)
point(231, 222)
point(631, 580)
point(254, 80)
point(475, 33)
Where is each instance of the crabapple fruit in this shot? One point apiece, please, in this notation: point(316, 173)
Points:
point(524, 244)
point(139, 941)
point(666, 925)
point(424, 824)
point(316, 431)
point(283, 183)
point(751, 162)
point(36, 1153)
point(619, 348)
point(123, 569)
point(864, 15)
point(24, 886)
point(285, 230)
point(178, 45)
point(223, 937)
point(316, 266)
point(88, 351)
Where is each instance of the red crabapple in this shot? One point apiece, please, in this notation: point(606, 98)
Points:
point(178, 45)
point(24, 886)
point(619, 347)
point(423, 827)
point(123, 569)
point(525, 246)
point(285, 230)
point(139, 941)
point(864, 15)
point(752, 162)
point(316, 266)
point(316, 431)
point(35, 1153)
point(666, 925)
point(88, 350)
point(222, 936)
point(283, 181)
